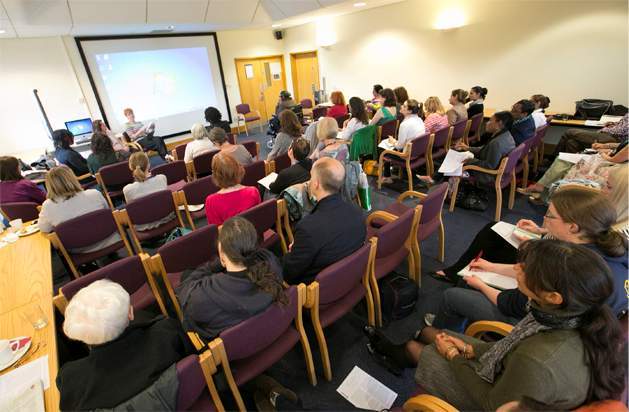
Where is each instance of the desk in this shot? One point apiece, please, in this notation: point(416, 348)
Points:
point(572, 122)
point(25, 281)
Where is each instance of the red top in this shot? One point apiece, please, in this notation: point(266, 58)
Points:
point(221, 206)
point(337, 110)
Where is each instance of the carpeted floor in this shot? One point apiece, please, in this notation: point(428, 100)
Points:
point(346, 343)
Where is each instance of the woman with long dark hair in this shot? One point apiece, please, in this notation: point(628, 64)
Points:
point(357, 121)
point(567, 350)
point(388, 111)
point(244, 282)
point(103, 153)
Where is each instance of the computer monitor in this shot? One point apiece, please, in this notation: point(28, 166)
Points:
point(81, 129)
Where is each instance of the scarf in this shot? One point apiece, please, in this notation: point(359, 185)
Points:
point(490, 363)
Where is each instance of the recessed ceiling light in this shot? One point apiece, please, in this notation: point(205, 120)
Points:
point(360, 4)
point(276, 25)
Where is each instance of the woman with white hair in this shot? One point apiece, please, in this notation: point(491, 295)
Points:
point(126, 356)
point(201, 143)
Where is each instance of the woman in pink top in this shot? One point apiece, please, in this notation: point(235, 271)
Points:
point(13, 187)
point(436, 118)
point(339, 109)
point(233, 198)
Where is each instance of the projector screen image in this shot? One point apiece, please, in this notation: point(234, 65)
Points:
point(165, 80)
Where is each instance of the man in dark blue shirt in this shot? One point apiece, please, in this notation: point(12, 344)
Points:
point(66, 155)
point(523, 125)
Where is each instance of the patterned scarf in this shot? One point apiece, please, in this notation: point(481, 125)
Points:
point(490, 363)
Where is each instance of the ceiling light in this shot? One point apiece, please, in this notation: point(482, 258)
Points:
point(2, 31)
point(360, 4)
point(450, 19)
point(276, 25)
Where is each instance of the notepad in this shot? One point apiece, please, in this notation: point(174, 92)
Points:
point(267, 180)
point(573, 157)
point(28, 399)
point(366, 392)
point(512, 234)
point(492, 279)
point(453, 163)
point(384, 144)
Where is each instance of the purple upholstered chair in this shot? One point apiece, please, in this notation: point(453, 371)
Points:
point(282, 162)
point(254, 172)
point(523, 163)
point(395, 244)
point(306, 103)
point(193, 194)
point(179, 151)
point(267, 219)
point(318, 112)
point(149, 209)
point(131, 273)
point(202, 164)
point(20, 210)
point(336, 290)
point(387, 129)
point(231, 138)
point(112, 178)
point(341, 119)
point(197, 391)
point(187, 252)
point(251, 347)
point(504, 176)
point(472, 134)
point(87, 230)
point(458, 131)
point(440, 144)
point(252, 147)
point(245, 115)
point(413, 156)
point(175, 172)
point(538, 145)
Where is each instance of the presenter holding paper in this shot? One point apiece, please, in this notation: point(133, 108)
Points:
point(144, 135)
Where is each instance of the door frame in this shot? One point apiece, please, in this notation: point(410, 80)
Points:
point(293, 68)
point(272, 56)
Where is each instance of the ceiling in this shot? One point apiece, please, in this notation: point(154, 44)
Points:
point(38, 18)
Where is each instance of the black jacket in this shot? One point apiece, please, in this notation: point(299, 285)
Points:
point(116, 371)
point(334, 230)
point(474, 109)
point(223, 124)
point(297, 173)
point(523, 129)
point(73, 160)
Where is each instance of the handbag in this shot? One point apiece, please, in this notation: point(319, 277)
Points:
point(399, 296)
point(592, 108)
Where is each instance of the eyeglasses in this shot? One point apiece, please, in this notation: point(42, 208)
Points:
point(549, 216)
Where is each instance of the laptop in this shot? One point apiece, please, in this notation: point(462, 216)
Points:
point(81, 129)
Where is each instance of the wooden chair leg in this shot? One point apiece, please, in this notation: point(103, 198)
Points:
point(409, 173)
point(380, 171)
point(323, 346)
point(418, 265)
point(525, 172)
point(442, 241)
point(455, 190)
point(498, 203)
point(376, 301)
point(535, 159)
point(305, 344)
point(512, 191)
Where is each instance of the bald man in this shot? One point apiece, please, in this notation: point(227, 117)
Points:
point(334, 229)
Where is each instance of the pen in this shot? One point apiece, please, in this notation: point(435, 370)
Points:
point(480, 255)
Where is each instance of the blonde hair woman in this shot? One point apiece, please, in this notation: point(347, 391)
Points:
point(436, 118)
point(67, 200)
point(329, 146)
point(201, 143)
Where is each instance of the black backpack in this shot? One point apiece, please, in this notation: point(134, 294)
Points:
point(398, 296)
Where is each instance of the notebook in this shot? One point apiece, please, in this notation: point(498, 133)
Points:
point(511, 233)
point(267, 180)
point(492, 279)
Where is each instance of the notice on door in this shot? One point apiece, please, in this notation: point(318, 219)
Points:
point(276, 70)
point(249, 71)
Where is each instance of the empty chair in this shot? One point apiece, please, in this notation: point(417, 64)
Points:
point(85, 231)
point(395, 243)
point(192, 197)
point(267, 218)
point(132, 273)
point(197, 391)
point(252, 147)
point(281, 162)
point(472, 134)
point(202, 164)
point(254, 172)
point(388, 129)
point(251, 347)
point(179, 151)
point(336, 290)
point(175, 172)
point(112, 178)
point(149, 209)
point(245, 115)
point(20, 210)
point(413, 156)
point(441, 143)
point(306, 107)
point(458, 131)
point(504, 176)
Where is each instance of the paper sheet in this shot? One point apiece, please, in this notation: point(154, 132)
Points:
point(572, 157)
point(28, 399)
point(610, 119)
point(18, 379)
point(384, 144)
point(453, 163)
point(594, 123)
point(276, 68)
point(492, 279)
point(508, 231)
point(267, 180)
point(365, 392)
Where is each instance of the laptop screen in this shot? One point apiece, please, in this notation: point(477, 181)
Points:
point(80, 127)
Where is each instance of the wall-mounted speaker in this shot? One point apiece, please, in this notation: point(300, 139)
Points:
point(279, 34)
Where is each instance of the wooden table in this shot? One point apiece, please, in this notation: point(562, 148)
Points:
point(26, 281)
point(488, 112)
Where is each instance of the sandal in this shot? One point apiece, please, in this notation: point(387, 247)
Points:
point(442, 278)
point(384, 361)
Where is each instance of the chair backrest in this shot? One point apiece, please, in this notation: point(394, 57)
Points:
point(190, 251)
point(540, 133)
point(254, 172)
point(341, 119)
point(174, 171)
point(432, 205)
point(391, 236)
point(363, 143)
point(477, 120)
point(512, 161)
point(419, 145)
point(87, 229)
point(318, 112)
point(20, 210)
point(282, 162)
point(243, 108)
point(129, 272)
point(231, 138)
point(388, 129)
point(197, 191)
point(180, 151)
point(203, 162)
point(306, 103)
point(260, 331)
point(151, 208)
point(252, 147)
point(340, 278)
point(262, 216)
point(458, 130)
point(191, 382)
point(441, 138)
point(116, 175)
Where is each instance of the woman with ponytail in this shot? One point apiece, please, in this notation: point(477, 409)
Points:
point(244, 281)
point(477, 101)
point(566, 352)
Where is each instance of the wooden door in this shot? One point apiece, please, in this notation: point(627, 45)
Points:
point(305, 69)
point(260, 81)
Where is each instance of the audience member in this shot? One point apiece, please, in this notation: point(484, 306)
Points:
point(577, 140)
point(457, 112)
point(140, 354)
point(290, 129)
point(388, 111)
point(332, 231)
point(401, 95)
point(233, 197)
point(339, 108)
point(328, 145)
point(523, 124)
point(67, 200)
point(236, 151)
point(213, 116)
point(541, 103)
point(436, 118)
point(103, 153)
point(200, 144)
point(299, 171)
point(286, 102)
point(144, 135)
point(244, 282)
point(357, 121)
point(564, 353)
point(477, 101)
point(98, 126)
point(63, 140)
point(376, 96)
point(13, 186)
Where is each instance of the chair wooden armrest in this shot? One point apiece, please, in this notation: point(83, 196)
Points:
point(60, 302)
point(482, 326)
point(196, 341)
point(312, 290)
point(136, 146)
point(481, 169)
point(401, 155)
point(269, 166)
point(190, 170)
point(208, 366)
point(427, 403)
point(411, 193)
point(39, 208)
point(380, 214)
point(85, 176)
